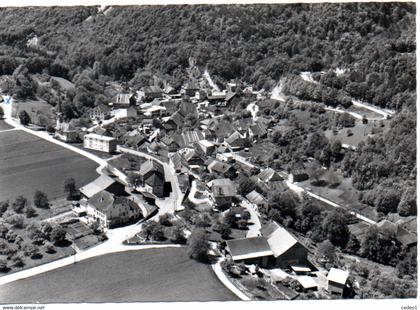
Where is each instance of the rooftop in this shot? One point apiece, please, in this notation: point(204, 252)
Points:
point(99, 184)
point(100, 137)
point(249, 247)
point(338, 276)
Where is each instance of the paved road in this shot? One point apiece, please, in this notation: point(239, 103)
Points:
point(171, 203)
point(255, 228)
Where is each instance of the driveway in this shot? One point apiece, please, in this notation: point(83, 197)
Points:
point(255, 228)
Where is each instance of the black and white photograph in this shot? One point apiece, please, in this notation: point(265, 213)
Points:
point(208, 152)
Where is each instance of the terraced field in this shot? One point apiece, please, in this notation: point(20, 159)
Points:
point(28, 163)
point(165, 274)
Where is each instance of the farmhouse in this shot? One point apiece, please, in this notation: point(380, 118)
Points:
point(179, 163)
point(255, 250)
point(66, 132)
point(257, 199)
point(103, 183)
point(99, 112)
point(269, 175)
point(152, 176)
point(123, 101)
point(337, 280)
point(222, 168)
point(100, 143)
point(110, 210)
point(224, 190)
point(275, 248)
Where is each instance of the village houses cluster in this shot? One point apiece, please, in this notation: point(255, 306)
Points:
point(190, 132)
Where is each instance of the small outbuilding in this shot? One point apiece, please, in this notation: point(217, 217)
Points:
point(337, 280)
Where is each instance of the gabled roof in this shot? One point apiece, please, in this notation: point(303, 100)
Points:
point(102, 132)
point(233, 137)
point(123, 98)
point(269, 174)
point(219, 166)
point(151, 165)
point(338, 276)
point(102, 201)
point(248, 248)
point(189, 153)
point(155, 179)
point(100, 184)
point(167, 140)
point(136, 140)
point(177, 118)
point(223, 188)
point(387, 226)
point(179, 161)
point(188, 137)
point(279, 239)
point(256, 198)
point(307, 282)
point(105, 202)
point(223, 129)
point(405, 237)
point(258, 129)
point(267, 230)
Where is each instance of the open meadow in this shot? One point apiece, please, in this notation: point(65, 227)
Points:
point(132, 276)
point(28, 163)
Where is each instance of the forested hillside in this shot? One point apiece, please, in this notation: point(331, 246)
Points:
point(258, 43)
point(373, 43)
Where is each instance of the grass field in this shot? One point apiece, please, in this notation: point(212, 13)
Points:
point(360, 132)
point(28, 163)
point(38, 110)
point(145, 275)
point(4, 125)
